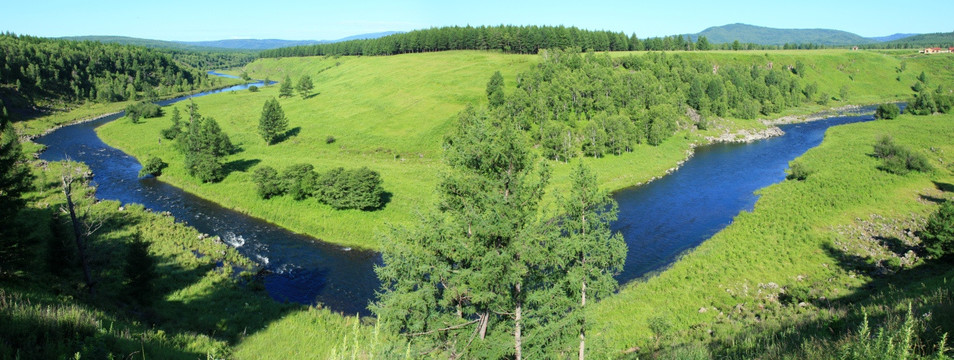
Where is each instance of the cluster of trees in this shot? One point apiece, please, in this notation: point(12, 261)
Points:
point(203, 144)
point(287, 89)
point(594, 105)
point(340, 188)
point(143, 110)
point(507, 38)
point(489, 272)
point(47, 69)
point(927, 101)
point(938, 234)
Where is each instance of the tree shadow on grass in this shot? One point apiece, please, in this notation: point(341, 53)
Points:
point(309, 96)
point(293, 132)
point(945, 187)
point(241, 165)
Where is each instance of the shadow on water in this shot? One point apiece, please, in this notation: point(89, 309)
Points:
point(302, 269)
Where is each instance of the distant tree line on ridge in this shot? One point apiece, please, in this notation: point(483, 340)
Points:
point(510, 39)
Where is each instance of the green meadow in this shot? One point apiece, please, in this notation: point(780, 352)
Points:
point(391, 113)
point(793, 277)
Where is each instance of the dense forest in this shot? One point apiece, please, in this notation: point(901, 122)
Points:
point(594, 105)
point(36, 70)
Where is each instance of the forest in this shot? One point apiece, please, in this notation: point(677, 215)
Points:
point(594, 105)
point(37, 71)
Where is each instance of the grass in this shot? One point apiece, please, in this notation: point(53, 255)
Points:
point(391, 113)
point(796, 267)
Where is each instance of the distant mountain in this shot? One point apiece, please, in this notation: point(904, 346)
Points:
point(891, 37)
point(125, 40)
point(219, 45)
point(369, 36)
point(936, 39)
point(769, 36)
point(251, 44)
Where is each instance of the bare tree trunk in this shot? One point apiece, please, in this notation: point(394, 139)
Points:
point(79, 235)
point(517, 341)
point(583, 321)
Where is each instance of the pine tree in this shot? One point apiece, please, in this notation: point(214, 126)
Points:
point(15, 179)
point(286, 89)
point(459, 281)
point(590, 254)
point(272, 123)
point(495, 92)
point(305, 86)
point(204, 145)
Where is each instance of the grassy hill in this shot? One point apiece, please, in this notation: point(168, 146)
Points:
point(792, 278)
point(391, 113)
point(769, 36)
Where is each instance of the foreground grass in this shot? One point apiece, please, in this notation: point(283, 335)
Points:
point(780, 280)
point(391, 113)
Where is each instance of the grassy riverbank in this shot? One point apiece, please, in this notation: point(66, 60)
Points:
point(200, 306)
point(792, 278)
point(391, 113)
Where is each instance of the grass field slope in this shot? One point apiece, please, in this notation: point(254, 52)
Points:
point(391, 113)
point(794, 278)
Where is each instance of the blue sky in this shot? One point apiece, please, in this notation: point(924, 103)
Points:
point(322, 20)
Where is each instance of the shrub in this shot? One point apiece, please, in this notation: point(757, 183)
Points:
point(887, 111)
point(143, 110)
point(253, 88)
point(938, 234)
point(267, 183)
point(898, 159)
point(351, 189)
point(798, 171)
point(299, 181)
point(153, 167)
point(330, 139)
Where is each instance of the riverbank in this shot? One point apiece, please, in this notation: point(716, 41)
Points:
point(365, 105)
point(791, 261)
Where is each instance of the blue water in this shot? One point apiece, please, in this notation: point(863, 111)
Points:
point(303, 269)
point(659, 220)
point(666, 217)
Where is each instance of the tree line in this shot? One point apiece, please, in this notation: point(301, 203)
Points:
point(506, 38)
point(591, 104)
point(34, 70)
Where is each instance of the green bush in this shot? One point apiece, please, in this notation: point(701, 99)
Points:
point(267, 182)
point(797, 171)
point(153, 167)
point(938, 234)
point(898, 159)
point(351, 189)
point(887, 111)
point(299, 181)
point(253, 88)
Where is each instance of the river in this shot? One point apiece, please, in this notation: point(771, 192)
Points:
point(659, 220)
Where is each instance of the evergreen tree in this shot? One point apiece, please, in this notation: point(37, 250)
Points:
point(459, 282)
point(174, 131)
point(589, 253)
point(15, 179)
point(495, 91)
point(204, 145)
point(286, 89)
point(267, 182)
point(272, 123)
point(305, 86)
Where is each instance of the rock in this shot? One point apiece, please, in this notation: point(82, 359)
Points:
point(702, 309)
point(802, 304)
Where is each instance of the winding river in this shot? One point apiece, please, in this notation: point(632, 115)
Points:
point(659, 220)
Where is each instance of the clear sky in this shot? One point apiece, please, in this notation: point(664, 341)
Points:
point(325, 20)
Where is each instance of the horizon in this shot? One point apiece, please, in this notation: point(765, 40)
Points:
point(209, 22)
